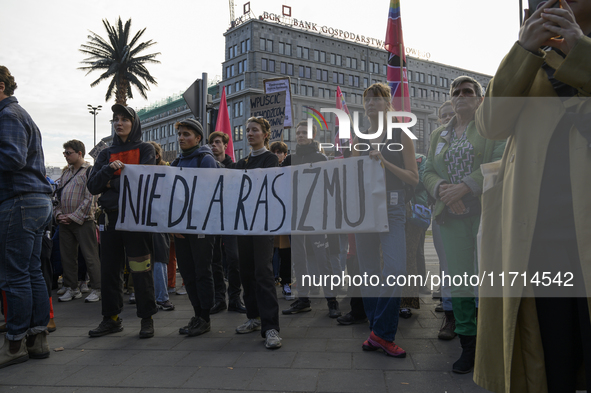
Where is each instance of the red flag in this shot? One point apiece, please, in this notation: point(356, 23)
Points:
point(342, 105)
point(223, 123)
point(396, 75)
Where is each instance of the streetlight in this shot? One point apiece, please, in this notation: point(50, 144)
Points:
point(94, 110)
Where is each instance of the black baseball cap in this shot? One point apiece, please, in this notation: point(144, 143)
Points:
point(124, 110)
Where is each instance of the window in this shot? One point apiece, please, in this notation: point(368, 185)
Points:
point(232, 70)
point(288, 49)
point(238, 154)
point(242, 85)
point(299, 51)
point(333, 58)
point(269, 45)
point(350, 80)
point(384, 69)
point(264, 64)
point(237, 86)
point(422, 77)
point(294, 89)
point(229, 90)
point(365, 82)
point(309, 72)
point(409, 75)
point(262, 44)
point(289, 69)
point(341, 78)
point(335, 77)
point(310, 91)
point(240, 70)
point(348, 62)
point(316, 55)
point(323, 57)
point(242, 47)
point(301, 71)
point(339, 60)
point(362, 66)
point(354, 63)
point(170, 129)
point(238, 133)
point(356, 81)
point(281, 48)
point(230, 52)
point(248, 44)
point(283, 68)
point(413, 92)
point(318, 74)
point(303, 90)
point(325, 75)
point(245, 65)
point(271, 65)
point(236, 50)
point(320, 92)
point(227, 72)
point(306, 53)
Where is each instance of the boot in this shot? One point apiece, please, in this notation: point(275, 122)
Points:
point(51, 326)
point(466, 361)
point(447, 327)
point(37, 346)
point(13, 352)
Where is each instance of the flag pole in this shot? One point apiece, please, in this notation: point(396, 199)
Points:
point(401, 75)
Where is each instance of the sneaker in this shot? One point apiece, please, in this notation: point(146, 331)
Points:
point(166, 306)
point(132, 298)
point(448, 327)
point(84, 287)
point(333, 309)
point(70, 294)
point(389, 347)
point(171, 290)
point(349, 319)
point(199, 327)
point(297, 307)
point(95, 296)
point(185, 329)
point(62, 289)
point(147, 328)
point(287, 292)
point(367, 346)
point(60, 285)
point(181, 291)
point(249, 326)
point(107, 326)
point(272, 339)
point(405, 313)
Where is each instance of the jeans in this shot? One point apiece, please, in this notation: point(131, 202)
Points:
point(23, 220)
point(161, 281)
point(383, 302)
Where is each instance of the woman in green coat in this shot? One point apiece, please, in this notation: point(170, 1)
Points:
point(454, 179)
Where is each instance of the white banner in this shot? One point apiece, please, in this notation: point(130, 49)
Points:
point(339, 196)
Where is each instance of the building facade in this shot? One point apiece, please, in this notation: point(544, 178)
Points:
point(316, 63)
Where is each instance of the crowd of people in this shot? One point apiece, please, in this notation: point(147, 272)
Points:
point(527, 221)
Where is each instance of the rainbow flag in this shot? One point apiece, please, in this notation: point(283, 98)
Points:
point(342, 105)
point(394, 44)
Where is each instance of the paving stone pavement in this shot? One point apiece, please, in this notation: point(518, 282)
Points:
point(318, 355)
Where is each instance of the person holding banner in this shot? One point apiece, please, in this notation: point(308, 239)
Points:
point(306, 260)
point(115, 246)
point(400, 169)
point(194, 253)
point(256, 252)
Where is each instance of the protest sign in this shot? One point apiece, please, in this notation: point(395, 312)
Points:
point(340, 196)
point(272, 108)
point(281, 84)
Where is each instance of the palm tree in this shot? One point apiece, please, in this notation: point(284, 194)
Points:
point(117, 59)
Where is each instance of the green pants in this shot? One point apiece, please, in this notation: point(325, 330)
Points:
point(459, 242)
